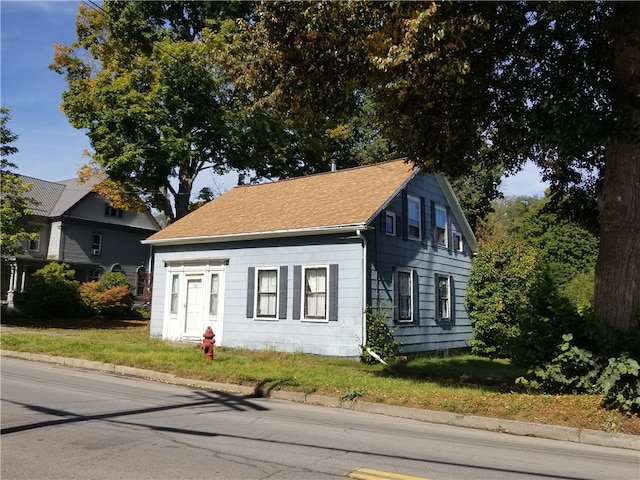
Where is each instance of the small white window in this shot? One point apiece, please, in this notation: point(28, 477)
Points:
point(267, 293)
point(441, 226)
point(315, 293)
point(414, 216)
point(404, 293)
point(175, 284)
point(141, 281)
point(213, 294)
point(96, 244)
point(443, 299)
point(390, 223)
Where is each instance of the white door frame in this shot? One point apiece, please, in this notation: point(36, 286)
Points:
point(174, 325)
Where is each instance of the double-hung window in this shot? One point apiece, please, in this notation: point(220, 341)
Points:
point(443, 298)
point(267, 293)
point(404, 295)
point(441, 225)
point(414, 216)
point(315, 293)
point(390, 223)
point(214, 294)
point(34, 243)
point(96, 244)
point(175, 284)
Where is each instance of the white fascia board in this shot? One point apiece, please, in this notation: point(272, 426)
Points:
point(237, 237)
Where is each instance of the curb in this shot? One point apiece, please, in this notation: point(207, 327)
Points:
point(552, 432)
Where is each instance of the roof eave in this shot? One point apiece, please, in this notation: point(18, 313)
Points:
point(237, 237)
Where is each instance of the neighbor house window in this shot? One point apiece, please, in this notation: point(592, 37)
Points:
point(141, 280)
point(404, 295)
point(443, 294)
point(315, 293)
point(414, 216)
point(109, 211)
point(96, 244)
point(267, 293)
point(213, 294)
point(34, 244)
point(94, 275)
point(390, 223)
point(441, 225)
point(175, 284)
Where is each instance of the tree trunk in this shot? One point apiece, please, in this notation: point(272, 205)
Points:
point(617, 288)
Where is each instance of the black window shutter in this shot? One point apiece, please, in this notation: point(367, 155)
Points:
point(383, 221)
point(452, 301)
point(433, 224)
point(423, 218)
point(396, 297)
point(436, 297)
point(450, 230)
point(416, 298)
point(297, 291)
point(405, 216)
point(333, 292)
point(282, 280)
point(251, 288)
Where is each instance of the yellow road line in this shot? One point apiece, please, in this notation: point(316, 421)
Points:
point(368, 474)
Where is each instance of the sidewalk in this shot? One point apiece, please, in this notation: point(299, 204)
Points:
point(567, 434)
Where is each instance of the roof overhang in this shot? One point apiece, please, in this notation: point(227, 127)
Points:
point(238, 237)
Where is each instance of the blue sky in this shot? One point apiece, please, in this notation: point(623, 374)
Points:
point(48, 146)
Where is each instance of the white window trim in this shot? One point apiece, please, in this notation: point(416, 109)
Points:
point(438, 317)
point(391, 215)
point(415, 200)
point(303, 292)
point(408, 271)
point(446, 226)
point(96, 251)
point(256, 291)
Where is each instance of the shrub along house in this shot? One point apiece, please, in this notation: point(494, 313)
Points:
point(293, 265)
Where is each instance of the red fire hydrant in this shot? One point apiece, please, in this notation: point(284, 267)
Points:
point(208, 343)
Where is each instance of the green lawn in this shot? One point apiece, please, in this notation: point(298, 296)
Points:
point(463, 384)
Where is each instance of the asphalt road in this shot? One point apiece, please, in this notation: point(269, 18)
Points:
point(65, 423)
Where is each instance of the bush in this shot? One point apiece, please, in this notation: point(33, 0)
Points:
point(574, 370)
point(111, 296)
point(503, 278)
point(380, 338)
point(620, 383)
point(55, 293)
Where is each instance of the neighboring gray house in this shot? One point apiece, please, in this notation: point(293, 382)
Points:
point(78, 227)
point(292, 265)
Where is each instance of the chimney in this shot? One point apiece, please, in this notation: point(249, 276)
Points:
point(333, 165)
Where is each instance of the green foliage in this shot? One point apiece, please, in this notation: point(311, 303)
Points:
point(16, 205)
point(55, 293)
point(573, 370)
point(380, 338)
point(113, 279)
point(620, 382)
point(503, 278)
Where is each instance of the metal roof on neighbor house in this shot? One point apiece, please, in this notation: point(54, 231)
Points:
point(344, 198)
point(52, 199)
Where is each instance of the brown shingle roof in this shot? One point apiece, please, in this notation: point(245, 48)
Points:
point(342, 198)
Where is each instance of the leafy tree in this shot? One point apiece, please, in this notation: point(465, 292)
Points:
point(157, 108)
point(553, 82)
point(15, 207)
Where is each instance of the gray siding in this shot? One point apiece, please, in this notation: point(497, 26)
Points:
point(119, 245)
point(388, 253)
point(336, 338)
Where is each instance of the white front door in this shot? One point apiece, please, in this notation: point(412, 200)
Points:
point(193, 321)
point(194, 301)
